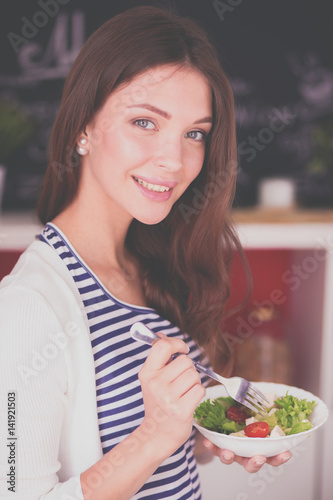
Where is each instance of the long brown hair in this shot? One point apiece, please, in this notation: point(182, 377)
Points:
point(186, 257)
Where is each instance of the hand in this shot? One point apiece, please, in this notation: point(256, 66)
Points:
point(171, 392)
point(252, 464)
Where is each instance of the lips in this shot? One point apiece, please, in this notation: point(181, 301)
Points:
point(156, 181)
point(155, 189)
point(159, 188)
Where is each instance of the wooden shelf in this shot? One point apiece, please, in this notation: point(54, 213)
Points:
point(257, 215)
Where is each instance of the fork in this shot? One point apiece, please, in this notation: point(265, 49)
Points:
point(241, 390)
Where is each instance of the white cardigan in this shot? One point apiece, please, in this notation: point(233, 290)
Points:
point(46, 358)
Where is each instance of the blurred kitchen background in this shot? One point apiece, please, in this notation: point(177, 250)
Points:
point(278, 56)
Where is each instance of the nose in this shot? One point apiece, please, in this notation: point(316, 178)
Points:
point(169, 154)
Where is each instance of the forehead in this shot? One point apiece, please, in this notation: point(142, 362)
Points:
point(165, 84)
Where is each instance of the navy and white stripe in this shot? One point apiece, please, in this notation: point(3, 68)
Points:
point(118, 359)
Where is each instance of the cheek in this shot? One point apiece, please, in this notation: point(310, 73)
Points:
point(194, 164)
point(124, 149)
point(104, 128)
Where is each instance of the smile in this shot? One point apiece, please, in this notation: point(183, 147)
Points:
point(151, 187)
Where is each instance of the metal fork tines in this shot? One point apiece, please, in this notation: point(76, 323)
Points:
point(238, 388)
point(255, 399)
point(241, 390)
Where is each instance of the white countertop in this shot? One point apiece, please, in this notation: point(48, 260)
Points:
point(303, 229)
point(18, 230)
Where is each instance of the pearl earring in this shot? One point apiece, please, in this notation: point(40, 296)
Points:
point(80, 150)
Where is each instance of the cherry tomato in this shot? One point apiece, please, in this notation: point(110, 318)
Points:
point(236, 414)
point(257, 430)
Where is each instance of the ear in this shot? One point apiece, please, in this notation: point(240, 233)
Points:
point(82, 146)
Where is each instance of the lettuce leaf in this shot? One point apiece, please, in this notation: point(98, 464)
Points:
point(300, 427)
point(293, 411)
point(271, 420)
point(212, 415)
point(290, 416)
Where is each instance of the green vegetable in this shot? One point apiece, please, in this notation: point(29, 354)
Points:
point(226, 402)
point(212, 415)
point(271, 420)
point(300, 427)
point(293, 411)
point(229, 426)
point(290, 416)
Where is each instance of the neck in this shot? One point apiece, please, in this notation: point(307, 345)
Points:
point(96, 231)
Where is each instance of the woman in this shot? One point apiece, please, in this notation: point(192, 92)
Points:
point(135, 204)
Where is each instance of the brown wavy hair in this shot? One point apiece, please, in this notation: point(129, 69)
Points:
point(186, 257)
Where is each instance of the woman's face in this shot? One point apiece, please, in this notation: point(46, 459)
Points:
point(147, 143)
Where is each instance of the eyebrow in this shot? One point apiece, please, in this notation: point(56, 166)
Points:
point(154, 109)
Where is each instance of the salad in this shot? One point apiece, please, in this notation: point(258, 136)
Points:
point(285, 415)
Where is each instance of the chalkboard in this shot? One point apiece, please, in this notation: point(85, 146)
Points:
point(277, 54)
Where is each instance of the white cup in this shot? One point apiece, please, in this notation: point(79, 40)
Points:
point(276, 192)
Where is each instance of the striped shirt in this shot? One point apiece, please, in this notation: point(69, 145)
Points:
point(117, 360)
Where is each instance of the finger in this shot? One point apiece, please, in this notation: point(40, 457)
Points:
point(178, 366)
point(162, 351)
point(226, 456)
point(183, 407)
point(184, 382)
point(191, 398)
point(252, 464)
point(280, 459)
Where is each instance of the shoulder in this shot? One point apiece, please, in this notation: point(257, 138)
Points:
point(35, 267)
point(42, 275)
point(41, 312)
point(26, 294)
point(40, 293)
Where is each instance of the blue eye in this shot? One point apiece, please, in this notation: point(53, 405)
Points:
point(196, 135)
point(146, 124)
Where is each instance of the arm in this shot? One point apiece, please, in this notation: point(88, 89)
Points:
point(170, 394)
point(36, 372)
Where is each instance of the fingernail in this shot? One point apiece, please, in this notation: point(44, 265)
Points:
point(207, 443)
point(259, 463)
point(285, 458)
point(227, 457)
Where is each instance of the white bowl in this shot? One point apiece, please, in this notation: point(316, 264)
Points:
point(268, 447)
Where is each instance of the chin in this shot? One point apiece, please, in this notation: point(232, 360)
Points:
point(151, 220)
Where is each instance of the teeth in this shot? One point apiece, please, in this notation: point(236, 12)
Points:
point(152, 187)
